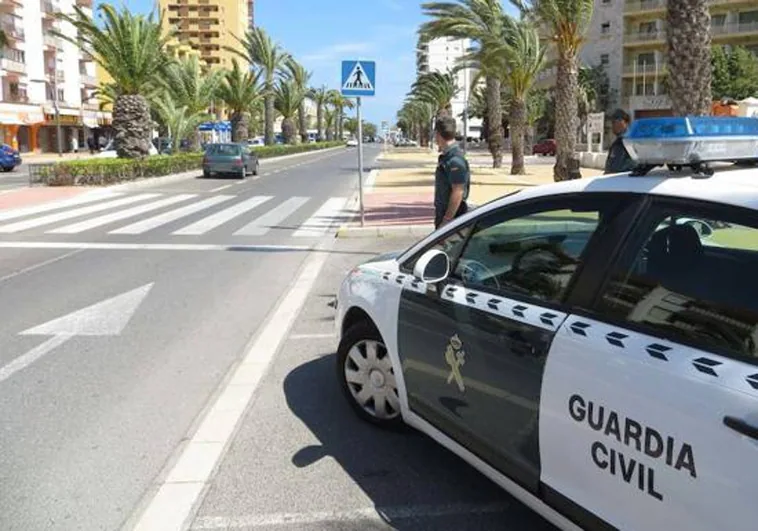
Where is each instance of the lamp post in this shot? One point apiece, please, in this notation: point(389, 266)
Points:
point(55, 103)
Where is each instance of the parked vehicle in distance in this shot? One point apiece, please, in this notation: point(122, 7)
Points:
point(352, 142)
point(9, 158)
point(109, 151)
point(228, 158)
point(546, 147)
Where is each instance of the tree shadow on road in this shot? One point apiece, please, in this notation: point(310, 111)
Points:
point(413, 482)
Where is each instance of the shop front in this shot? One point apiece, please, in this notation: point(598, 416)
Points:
point(19, 125)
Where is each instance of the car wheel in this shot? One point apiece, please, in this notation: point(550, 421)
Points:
point(243, 172)
point(257, 167)
point(206, 174)
point(367, 378)
point(6, 169)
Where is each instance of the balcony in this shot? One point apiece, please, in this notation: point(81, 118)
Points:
point(59, 75)
point(12, 32)
point(637, 7)
point(645, 68)
point(735, 29)
point(13, 61)
point(49, 9)
point(11, 6)
point(50, 42)
point(88, 80)
point(644, 37)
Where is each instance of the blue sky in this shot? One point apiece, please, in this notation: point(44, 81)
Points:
point(320, 34)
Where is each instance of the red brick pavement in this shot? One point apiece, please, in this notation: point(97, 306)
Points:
point(33, 196)
point(399, 208)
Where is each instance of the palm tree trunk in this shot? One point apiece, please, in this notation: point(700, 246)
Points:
point(303, 119)
point(517, 122)
point(689, 56)
point(288, 130)
point(132, 126)
point(566, 110)
point(320, 121)
point(239, 126)
point(269, 116)
point(340, 122)
point(494, 121)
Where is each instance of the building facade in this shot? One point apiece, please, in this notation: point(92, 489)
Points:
point(441, 55)
point(210, 26)
point(40, 73)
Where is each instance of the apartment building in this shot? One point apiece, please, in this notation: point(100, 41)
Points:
point(441, 55)
point(210, 26)
point(40, 73)
point(733, 23)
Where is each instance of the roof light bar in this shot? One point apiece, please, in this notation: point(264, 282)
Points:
point(692, 140)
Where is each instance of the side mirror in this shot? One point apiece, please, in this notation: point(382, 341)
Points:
point(432, 267)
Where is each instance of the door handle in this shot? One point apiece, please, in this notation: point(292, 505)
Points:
point(741, 426)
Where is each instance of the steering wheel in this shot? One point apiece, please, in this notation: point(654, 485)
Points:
point(559, 255)
point(478, 273)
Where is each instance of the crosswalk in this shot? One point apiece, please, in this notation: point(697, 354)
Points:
point(179, 215)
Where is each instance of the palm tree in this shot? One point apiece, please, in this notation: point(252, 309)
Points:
point(239, 91)
point(300, 77)
point(179, 119)
point(523, 57)
point(481, 21)
point(288, 98)
point(340, 103)
point(688, 34)
point(566, 22)
point(437, 89)
point(419, 113)
point(320, 96)
point(330, 114)
point(188, 86)
point(260, 50)
point(131, 48)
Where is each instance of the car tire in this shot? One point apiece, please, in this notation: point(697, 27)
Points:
point(378, 374)
point(6, 169)
point(257, 167)
point(206, 174)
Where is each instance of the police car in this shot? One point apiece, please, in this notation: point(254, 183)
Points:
point(590, 345)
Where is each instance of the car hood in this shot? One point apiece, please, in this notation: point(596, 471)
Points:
point(384, 257)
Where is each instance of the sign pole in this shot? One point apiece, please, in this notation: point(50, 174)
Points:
point(360, 158)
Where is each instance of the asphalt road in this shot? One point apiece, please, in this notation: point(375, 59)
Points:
point(93, 404)
point(18, 178)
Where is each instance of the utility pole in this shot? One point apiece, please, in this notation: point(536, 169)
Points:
point(55, 102)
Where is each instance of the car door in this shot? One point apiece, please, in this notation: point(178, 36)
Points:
point(649, 407)
point(473, 347)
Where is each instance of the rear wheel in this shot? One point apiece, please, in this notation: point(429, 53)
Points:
point(367, 377)
point(206, 174)
point(257, 167)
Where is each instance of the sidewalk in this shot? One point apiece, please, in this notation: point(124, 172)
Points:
point(400, 200)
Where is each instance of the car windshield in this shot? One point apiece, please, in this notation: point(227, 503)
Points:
point(224, 149)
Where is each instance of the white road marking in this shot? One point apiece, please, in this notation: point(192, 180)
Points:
point(162, 219)
point(325, 217)
point(99, 221)
point(218, 189)
point(172, 505)
point(272, 218)
point(41, 264)
point(218, 219)
point(312, 336)
point(62, 216)
point(102, 246)
point(55, 205)
point(105, 318)
point(363, 515)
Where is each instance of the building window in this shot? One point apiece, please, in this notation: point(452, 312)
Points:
point(605, 28)
point(604, 59)
point(748, 17)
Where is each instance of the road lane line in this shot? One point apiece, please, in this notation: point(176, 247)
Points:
point(359, 517)
point(103, 246)
point(99, 221)
point(62, 216)
point(329, 215)
point(218, 189)
point(272, 218)
point(14, 213)
point(145, 225)
point(216, 220)
point(30, 357)
point(174, 502)
point(31, 268)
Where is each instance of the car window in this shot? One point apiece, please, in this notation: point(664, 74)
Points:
point(225, 149)
point(450, 245)
point(693, 280)
point(534, 255)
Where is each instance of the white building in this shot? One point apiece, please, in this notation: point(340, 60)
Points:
point(441, 55)
point(39, 72)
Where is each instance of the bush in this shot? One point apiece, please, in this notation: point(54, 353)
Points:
point(99, 172)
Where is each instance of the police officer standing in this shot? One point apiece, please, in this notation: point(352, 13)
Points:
point(619, 160)
point(452, 178)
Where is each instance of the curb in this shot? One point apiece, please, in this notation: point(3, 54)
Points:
point(385, 231)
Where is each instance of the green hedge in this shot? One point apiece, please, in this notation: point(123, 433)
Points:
point(98, 172)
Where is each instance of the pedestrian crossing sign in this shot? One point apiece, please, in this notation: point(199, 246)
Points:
point(358, 78)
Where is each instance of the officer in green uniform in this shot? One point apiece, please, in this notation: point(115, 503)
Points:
point(619, 160)
point(452, 178)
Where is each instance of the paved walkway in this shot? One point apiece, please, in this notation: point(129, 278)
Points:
point(401, 199)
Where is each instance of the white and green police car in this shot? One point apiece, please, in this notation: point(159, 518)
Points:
point(590, 345)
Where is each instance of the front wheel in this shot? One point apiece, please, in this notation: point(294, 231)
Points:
point(367, 378)
point(257, 167)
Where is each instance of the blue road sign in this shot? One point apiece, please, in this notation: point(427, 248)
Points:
point(358, 78)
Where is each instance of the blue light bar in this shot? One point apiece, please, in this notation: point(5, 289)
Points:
point(692, 140)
